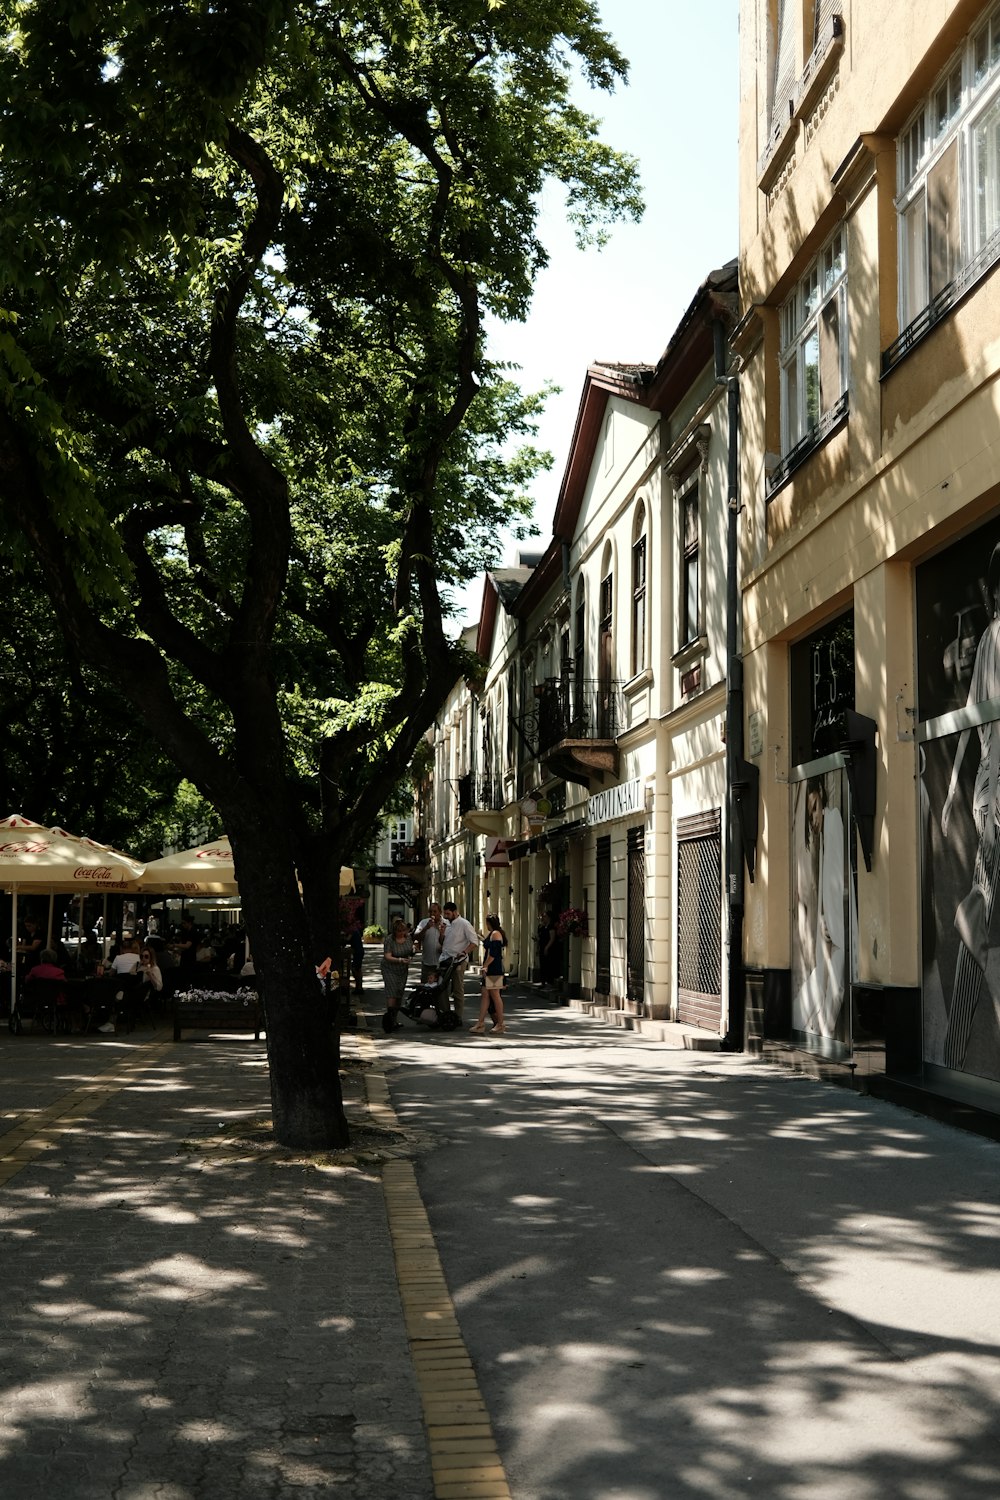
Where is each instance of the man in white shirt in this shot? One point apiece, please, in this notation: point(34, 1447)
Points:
point(460, 939)
point(127, 961)
point(427, 936)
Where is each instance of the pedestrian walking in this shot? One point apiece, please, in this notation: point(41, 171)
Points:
point(396, 957)
point(460, 939)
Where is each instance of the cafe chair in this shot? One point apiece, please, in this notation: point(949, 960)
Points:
point(43, 1003)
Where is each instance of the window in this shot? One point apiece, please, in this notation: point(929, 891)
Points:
point(783, 64)
point(690, 563)
point(948, 163)
point(814, 345)
point(579, 641)
point(639, 594)
point(605, 627)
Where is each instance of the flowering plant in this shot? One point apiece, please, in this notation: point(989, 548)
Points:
point(241, 996)
point(572, 923)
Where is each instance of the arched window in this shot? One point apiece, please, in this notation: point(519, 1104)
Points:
point(579, 647)
point(639, 590)
point(606, 644)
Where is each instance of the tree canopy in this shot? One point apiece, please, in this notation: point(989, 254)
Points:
point(249, 426)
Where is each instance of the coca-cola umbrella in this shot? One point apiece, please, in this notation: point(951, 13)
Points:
point(205, 870)
point(49, 861)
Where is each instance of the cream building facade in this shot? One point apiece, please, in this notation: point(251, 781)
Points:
point(869, 240)
point(596, 784)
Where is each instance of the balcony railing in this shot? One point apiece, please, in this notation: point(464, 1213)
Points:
point(572, 708)
point(480, 794)
point(410, 854)
point(491, 795)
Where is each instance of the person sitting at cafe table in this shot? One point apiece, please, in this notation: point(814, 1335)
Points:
point(47, 968)
point(123, 966)
point(152, 978)
point(127, 961)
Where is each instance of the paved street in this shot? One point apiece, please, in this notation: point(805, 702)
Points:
point(180, 1320)
point(648, 1273)
point(690, 1276)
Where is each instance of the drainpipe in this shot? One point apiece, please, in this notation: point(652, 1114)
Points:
point(733, 1041)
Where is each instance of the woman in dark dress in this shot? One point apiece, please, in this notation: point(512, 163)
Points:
point(396, 957)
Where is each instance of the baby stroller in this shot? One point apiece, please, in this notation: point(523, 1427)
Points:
point(433, 1004)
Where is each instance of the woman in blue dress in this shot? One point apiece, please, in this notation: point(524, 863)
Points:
point(494, 943)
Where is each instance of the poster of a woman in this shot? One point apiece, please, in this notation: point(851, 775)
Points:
point(958, 621)
point(821, 927)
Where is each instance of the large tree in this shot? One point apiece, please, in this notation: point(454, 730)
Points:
point(249, 428)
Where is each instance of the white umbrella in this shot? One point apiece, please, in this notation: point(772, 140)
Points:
point(205, 870)
point(44, 861)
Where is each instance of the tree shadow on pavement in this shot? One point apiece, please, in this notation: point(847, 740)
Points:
point(181, 1324)
point(687, 1276)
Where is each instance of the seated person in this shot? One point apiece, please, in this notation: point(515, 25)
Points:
point(152, 978)
point(47, 968)
point(127, 961)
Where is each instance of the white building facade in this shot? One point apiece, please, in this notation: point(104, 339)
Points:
point(596, 785)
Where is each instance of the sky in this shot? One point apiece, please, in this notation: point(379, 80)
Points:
point(678, 115)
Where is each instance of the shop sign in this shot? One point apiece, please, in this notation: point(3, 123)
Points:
point(822, 687)
point(617, 801)
point(496, 857)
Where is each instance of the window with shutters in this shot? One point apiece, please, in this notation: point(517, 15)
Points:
point(948, 179)
point(805, 40)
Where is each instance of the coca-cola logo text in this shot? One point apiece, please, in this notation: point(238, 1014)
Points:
point(11, 851)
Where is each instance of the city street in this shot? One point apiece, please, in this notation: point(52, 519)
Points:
point(690, 1276)
point(667, 1275)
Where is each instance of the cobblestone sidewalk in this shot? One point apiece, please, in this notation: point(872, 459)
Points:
point(185, 1318)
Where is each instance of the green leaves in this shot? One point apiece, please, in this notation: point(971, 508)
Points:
point(249, 426)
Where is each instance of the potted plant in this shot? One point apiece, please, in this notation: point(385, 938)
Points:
point(572, 923)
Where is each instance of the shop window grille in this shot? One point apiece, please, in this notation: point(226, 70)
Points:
point(635, 956)
point(699, 928)
point(602, 930)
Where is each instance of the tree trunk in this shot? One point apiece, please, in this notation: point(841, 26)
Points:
point(303, 1048)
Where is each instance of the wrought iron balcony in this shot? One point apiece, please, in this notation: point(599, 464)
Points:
point(410, 854)
point(571, 708)
point(574, 725)
point(491, 796)
point(466, 794)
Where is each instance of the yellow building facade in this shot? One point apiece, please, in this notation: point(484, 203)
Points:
point(869, 529)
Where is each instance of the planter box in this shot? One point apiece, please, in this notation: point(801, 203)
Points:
point(206, 1010)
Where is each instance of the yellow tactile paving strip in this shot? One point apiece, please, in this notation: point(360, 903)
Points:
point(465, 1462)
point(39, 1131)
